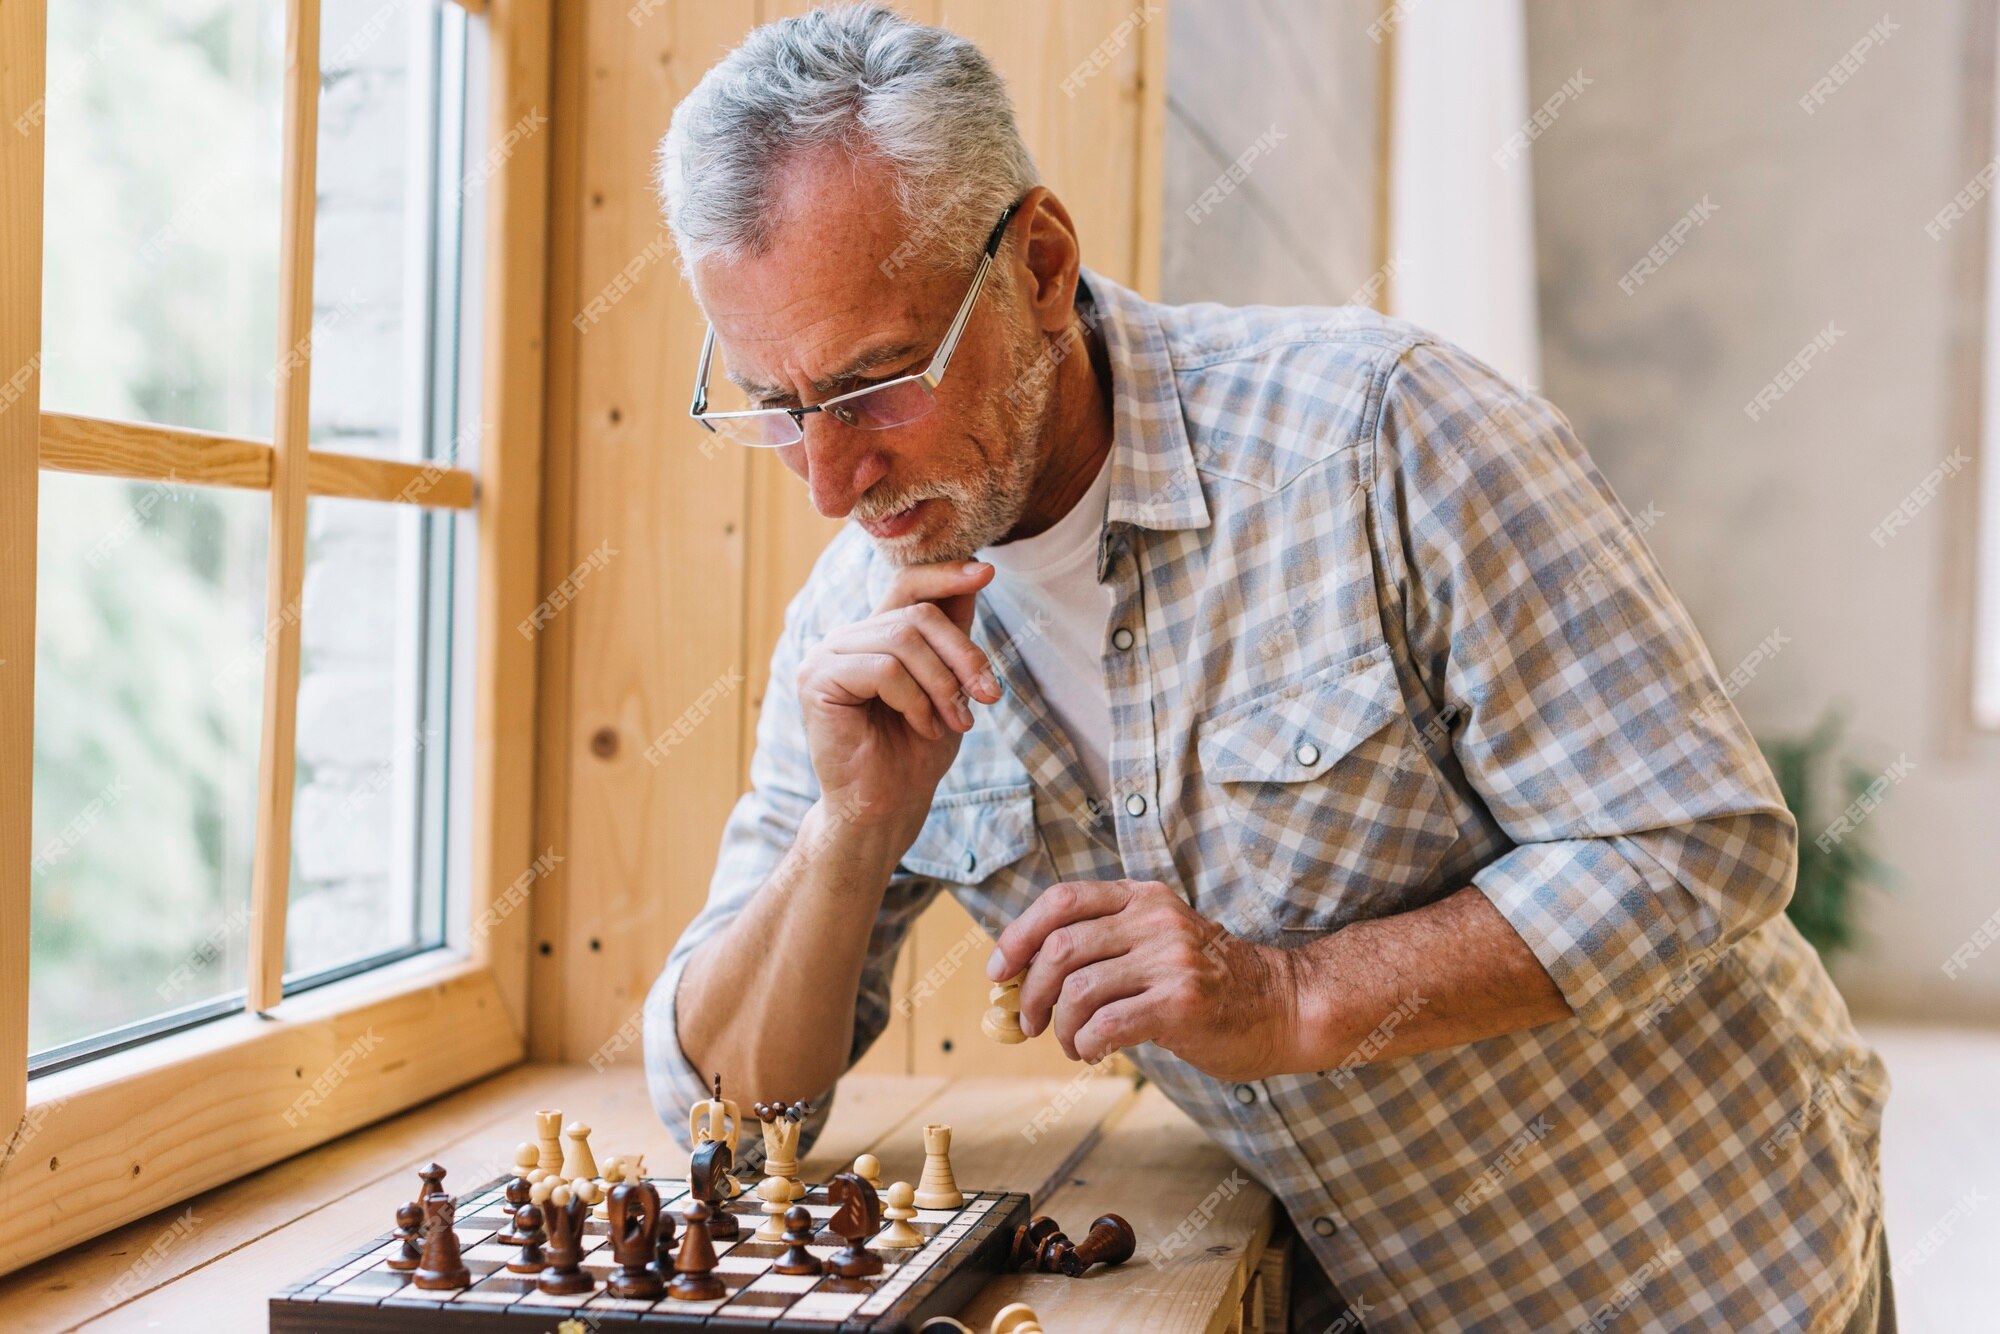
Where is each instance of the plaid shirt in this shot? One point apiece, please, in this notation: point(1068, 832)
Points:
point(1391, 634)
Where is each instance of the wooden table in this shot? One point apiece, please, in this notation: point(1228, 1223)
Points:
point(1079, 1148)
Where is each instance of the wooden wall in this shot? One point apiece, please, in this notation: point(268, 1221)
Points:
point(704, 552)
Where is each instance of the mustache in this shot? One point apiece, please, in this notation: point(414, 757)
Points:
point(879, 504)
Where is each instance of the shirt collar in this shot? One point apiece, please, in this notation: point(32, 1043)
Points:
point(1153, 479)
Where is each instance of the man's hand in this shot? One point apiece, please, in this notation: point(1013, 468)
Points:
point(886, 699)
point(1121, 962)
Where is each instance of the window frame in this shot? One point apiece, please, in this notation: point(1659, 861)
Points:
point(95, 1145)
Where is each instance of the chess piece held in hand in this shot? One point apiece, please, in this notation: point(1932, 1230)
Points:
point(1002, 1020)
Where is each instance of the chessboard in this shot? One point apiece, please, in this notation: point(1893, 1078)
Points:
point(963, 1248)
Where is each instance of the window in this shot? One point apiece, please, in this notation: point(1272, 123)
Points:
point(272, 419)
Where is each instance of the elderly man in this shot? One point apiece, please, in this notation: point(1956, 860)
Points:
point(1294, 700)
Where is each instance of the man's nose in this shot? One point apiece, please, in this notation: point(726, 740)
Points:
point(838, 463)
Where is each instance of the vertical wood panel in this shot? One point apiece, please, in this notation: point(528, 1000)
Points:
point(660, 624)
point(285, 579)
point(23, 67)
point(519, 33)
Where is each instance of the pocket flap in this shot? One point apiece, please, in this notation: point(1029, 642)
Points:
point(1299, 732)
point(970, 835)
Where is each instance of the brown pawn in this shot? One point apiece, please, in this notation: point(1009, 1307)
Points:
point(409, 1231)
point(797, 1260)
point(694, 1266)
point(857, 1216)
point(443, 1266)
point(635, 1231)
point(663, 1248)
point(1028, 1242)
point(708, 1169)
point(1111, 1242)
point(565, 1277)
point(528, 1224)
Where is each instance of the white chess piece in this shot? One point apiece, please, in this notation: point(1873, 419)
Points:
point(776, 1193)
point(936, 1189)
point(548, 1140)
point(577, 1163)
point(899, 1207)
point(869, 1168)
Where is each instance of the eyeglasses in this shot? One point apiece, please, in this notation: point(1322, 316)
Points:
point(875, 408)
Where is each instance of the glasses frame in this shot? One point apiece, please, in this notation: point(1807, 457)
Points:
point(929, 377)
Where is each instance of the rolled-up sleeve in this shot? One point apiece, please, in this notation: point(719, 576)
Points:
point(1585, 710)
point(762, 828)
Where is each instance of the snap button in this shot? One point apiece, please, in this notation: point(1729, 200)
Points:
point(1307, 753)
point(1093, 805)
point(1121, 639)
point(1245, 1094)
point(1135, 804)
point(1325, 1226)
point(971, 860)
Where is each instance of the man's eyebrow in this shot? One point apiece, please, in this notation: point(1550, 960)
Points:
point(828, 384)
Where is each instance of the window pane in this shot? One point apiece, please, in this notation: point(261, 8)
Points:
point(163, 127)
point(149, 634)
point(372, 736)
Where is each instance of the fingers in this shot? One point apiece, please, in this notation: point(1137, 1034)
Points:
point(852, 679)
point(1067, 951)
point(933, 650)
point(1114, 1027)
point(1057, 907)
point(950, 583)
point(1088, 989)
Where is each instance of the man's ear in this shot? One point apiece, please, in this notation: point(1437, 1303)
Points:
point(1047, 259)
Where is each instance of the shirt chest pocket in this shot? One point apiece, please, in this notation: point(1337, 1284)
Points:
point(981, 845)
point(1327, 799)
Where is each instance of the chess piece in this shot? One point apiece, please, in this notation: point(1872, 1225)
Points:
point(519, 1186)
point(717, 1119)
point(430, 1181)
point(857, 1216)
point(899, 1208)
point(797, 1260)
point(1029, 1240)
point(409, 1231)
point(936, 1189)
point(663, 1247)
point(443, 1267)
point(528, 1225)
point(1016, 1318)
point(566, 1212)
point(635, 1238)
point(708, 1181)
point(1002, 1020)
point(548, 1139)
point(869, 1168)
point(1110, 1242)
point(694, 1264)
point(577, 1164)
point(781, 1141)
point(776, 1193)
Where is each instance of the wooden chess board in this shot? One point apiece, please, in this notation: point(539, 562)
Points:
point(963, 1248)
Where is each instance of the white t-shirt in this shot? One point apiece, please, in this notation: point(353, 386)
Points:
point(1045, 593)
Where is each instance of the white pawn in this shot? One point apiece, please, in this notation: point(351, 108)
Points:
point(577, 1162)
point(869, 1168)
point(776, 1193)
point(1018, 1318)
point(613, 1172)
point(899, 1207)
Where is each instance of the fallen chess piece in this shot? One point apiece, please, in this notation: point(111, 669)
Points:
point(1016, 1318)
point(1042, 1247)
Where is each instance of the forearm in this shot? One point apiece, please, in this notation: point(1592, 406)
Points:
point(772, 995)
point(1439, 976)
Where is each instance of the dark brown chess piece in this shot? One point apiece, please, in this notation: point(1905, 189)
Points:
point(797, 1260)
point(443, 1266)
point(1029, 1240)
point(528, 1223)
point(707, 1170)
point(663, 1259)
point(857, 1216)
point(519, 1191)
point(565, 1220)
point(409, 1231)
point(694, 1265)
point(1110, 1242)
point(634, 1210)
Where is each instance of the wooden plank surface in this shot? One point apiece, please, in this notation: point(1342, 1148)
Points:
point(23, 65)
point(270, 876)
point(151, 453)
point(357, 477)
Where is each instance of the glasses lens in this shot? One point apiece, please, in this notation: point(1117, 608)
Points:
point(892, 404)
point(765, 430)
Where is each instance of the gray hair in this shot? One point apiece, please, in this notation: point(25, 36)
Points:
point(865, 80)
